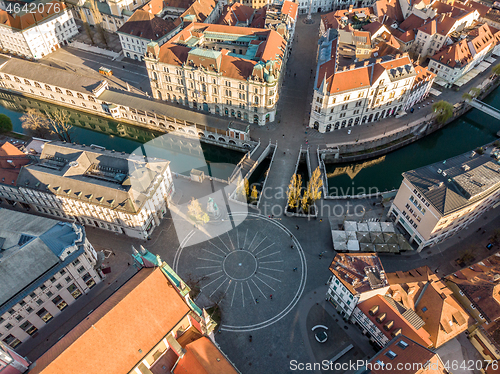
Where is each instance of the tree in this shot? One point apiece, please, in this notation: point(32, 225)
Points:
point(305, 201)
point(315, 185)
point(294, 191)
point(254, 194)
point(36, 123)
point(443, 110)
point(197, 214)
point(472, 94)
point(46, 125)
point(5, 123)
point(58, 124)
point(496, 69)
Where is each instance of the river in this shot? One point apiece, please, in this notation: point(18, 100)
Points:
point(183, 154)
point(384, 173)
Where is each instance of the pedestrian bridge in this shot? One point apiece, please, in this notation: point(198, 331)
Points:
point(485, 108)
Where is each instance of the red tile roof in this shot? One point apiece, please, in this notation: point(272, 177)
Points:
point(391, 9)
point(119, 333)
point(399, 322)
point(433, 301)
point(332, 20)
point(290, 8)
point(357, 77)
point(351, 269)
point(201, 9)
point(481, 284)
point(456, 55)
point(144, 24)
point(203, 357)
point(234, 13)
point(270, 47)
point(9, 171)
point(410, 358)
point(22, 22)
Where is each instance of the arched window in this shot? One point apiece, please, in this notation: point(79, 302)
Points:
point(37, 85)
point(27, 82)
point(58, 90)
point(69, 93)
point(47, 87)
point(80, 96)
point(17, 79)
point(91, 98)
point(7, 77)
point(256, 100)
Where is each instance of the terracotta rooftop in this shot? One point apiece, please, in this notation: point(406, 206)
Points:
point(200, 9)
point(421, 274)
point(456, 55)
point(26, 20)
point(11, 162)
point(146, 25)
point(359, 272)
point(408, 356)
point(481, 284)
point(291, 8)
point(433, 301)
point(235, 13)
point(388, 9)
point(270, 44)
point(203, 357)
point(120, 332)
point(390, 322)
point(332, 20)
point(412, 23)
point(360, 75)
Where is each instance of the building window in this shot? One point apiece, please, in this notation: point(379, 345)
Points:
point(74, 291)
point(44, 315)
point(8, 326)
point(88, 280)
point(59, 302)
point(12, 341)
point(28, 328)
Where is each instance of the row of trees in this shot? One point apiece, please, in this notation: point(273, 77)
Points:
point(46, 125)
point(243, 190)
point(301, 199)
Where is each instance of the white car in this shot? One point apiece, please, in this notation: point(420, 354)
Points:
point(349, 132)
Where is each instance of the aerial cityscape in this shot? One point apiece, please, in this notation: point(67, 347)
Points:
point(257, 186)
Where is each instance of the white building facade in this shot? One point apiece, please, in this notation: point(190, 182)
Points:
point(200, 83)
point(360, 93)
point(24, 36)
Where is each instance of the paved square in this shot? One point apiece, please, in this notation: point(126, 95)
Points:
point(257, 270)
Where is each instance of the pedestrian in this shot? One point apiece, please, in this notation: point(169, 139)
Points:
point(320, 220)
point(271, 296)
point(295, 74)
point(257, 301)
point(297, 226)
point(294, 269)
point(283, 136)
point(291, 246)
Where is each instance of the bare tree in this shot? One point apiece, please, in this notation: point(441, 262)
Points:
point(58, 122)
point(46, 125)
point(36, 123)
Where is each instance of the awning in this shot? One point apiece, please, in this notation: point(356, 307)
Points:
point(467, 77)
point(434, 92)
point(483, 66)
point(440, 81)
point(491, 60)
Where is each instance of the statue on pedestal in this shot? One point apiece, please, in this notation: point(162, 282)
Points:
point(213, 209)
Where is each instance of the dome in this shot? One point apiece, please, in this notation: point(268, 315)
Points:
point(270, 79)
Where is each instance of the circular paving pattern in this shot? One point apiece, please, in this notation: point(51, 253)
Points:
point(239, 265)
point(256, 271)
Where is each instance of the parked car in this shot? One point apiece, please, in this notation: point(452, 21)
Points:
point(489, 246)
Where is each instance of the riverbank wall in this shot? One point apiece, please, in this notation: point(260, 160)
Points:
point(379, 147)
